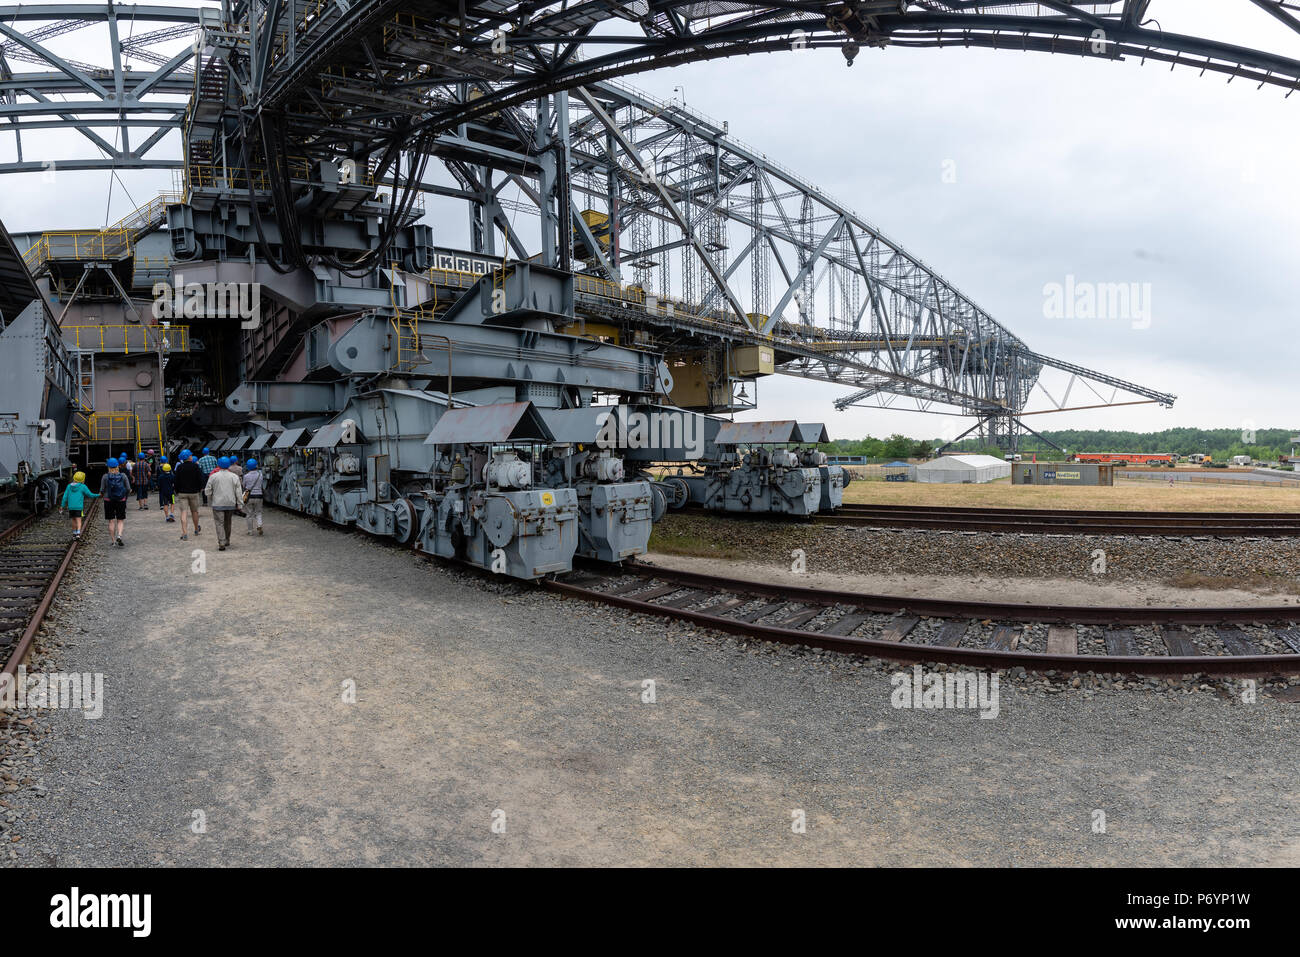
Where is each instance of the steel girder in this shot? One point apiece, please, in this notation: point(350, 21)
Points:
point(346, 76)
point(842, 301)
point(411, 48)
point(144, 104)
point(371, 68)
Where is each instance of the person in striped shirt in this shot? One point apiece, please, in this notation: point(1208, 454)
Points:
point(207, 465)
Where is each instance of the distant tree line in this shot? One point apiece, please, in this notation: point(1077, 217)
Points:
point(1267, 444)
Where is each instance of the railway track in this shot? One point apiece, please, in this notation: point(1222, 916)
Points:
point(1060, 522)
point(35, 553)
point(1145, 641)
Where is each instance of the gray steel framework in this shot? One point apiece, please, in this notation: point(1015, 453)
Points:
point(123, 112)
point(688, 211)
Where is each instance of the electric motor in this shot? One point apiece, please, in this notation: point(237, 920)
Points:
point(507, 471)
point(604, 468)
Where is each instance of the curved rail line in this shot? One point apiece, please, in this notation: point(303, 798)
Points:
point(1052, 522)
point(31, 570)
point(1143, 641)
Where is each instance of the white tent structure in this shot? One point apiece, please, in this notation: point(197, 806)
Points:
point(959, 469)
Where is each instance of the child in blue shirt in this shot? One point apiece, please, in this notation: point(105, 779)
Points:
point(74, 500)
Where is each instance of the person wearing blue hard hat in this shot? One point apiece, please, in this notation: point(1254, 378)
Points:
point(141, 482)
point(224, 492)
point(253, 491)
point(115, 489)
point(207, 465)
point(189, 480)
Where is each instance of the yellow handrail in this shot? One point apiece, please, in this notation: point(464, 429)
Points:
point(148, 338)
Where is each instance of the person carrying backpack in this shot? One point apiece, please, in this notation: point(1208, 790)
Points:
point(74, 500)
point(115, 487)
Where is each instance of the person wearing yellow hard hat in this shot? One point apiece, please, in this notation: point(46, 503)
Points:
point(167, 492)
point(74, 500)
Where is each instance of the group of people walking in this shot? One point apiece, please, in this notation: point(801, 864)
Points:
point(229, 487)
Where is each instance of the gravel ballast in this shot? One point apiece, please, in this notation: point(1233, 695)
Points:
point(1267, 564)
point(228, 737)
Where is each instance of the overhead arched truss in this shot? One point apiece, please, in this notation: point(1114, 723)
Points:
point(122, 107)
point(345, 77)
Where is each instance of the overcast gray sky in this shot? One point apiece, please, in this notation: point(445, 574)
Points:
point(1064, 166)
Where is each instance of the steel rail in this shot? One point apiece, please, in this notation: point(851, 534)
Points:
point(991, 510)
point(1226, 665)
point(1044, 522)
point(28, 638)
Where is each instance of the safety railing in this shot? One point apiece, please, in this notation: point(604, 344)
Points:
point(125, 339)
point(83, 244)
point(150, 214)
point(406, 339)
point(237, 177)
point(113, 242)
point(113, 427)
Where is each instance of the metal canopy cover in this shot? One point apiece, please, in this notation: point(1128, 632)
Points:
point(288, 438)
point(509, 422)
point(577, 425)
point(758, 433)
point(17, 288)
point(813, 432)
point(260, 442)
point(328, 436)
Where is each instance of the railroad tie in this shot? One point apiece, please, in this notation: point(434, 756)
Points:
point(629, 587)
point(800, 618)
point(1005, 638)
point(1120, 642)
point(898, 629)
point(1179, 643)
point(1236, 641)
point(654, 593)
point(950, 634)
point(1291, 636)
point(846, 625)
point(690, 598)
point(761, 611)
point(1062, 640)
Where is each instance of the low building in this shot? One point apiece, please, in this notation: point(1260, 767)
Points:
point(1063, 473)
point(962, 469)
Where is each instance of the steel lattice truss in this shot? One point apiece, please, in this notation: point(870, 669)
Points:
point(376, 59)
point(698, 216)
point(123, 106)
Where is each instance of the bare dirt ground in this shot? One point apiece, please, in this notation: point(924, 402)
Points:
point(1133, 496)
point(480, 700)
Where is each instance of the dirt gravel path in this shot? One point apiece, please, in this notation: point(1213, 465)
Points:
point(480, 701)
